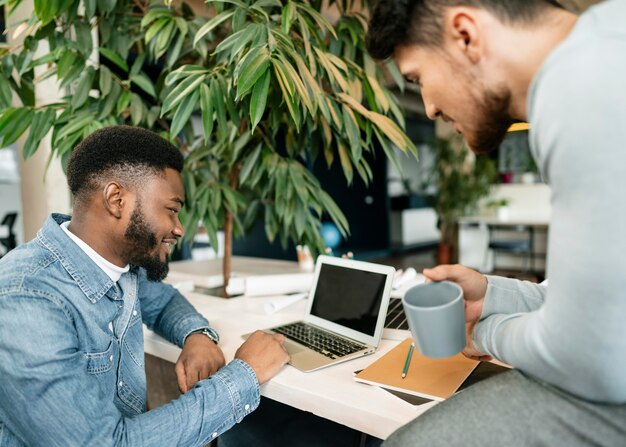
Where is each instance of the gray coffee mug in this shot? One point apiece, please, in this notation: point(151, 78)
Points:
point(435, 313)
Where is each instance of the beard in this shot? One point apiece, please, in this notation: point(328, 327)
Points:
point(141, 242)
point(492, 120)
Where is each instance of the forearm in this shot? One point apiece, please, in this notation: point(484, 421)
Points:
point(509, 296)
point(177, 320)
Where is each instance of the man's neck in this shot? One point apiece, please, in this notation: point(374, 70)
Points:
point(101, 241)
point(527, 51)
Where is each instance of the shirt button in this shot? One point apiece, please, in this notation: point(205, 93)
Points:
point(120, 383)
point(246, 407)
point(111, 359)
point(134, 313)
point(214, 434)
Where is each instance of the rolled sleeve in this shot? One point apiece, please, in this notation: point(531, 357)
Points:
point(243, 387)
point(510, 296)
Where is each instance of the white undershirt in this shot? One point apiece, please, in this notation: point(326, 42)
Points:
point(113, 271)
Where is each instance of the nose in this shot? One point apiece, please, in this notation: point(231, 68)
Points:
point(179, 231)
point(432, 112)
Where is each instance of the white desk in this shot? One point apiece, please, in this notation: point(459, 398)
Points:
point(330, 393)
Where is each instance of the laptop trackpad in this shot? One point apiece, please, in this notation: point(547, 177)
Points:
point(293, 348)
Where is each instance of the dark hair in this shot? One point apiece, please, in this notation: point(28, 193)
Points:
point(123, 152)
point(419, 22)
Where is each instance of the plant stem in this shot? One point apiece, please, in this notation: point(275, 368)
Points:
point(228, 232)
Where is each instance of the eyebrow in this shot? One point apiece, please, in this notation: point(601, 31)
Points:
point(178, 200)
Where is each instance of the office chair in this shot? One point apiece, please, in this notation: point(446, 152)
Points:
point(9, 242)
point(520, 246)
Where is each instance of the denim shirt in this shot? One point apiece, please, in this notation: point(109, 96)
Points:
point(72, 358)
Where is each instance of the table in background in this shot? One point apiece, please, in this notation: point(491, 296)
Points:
point(474, 235)
point(330, 393)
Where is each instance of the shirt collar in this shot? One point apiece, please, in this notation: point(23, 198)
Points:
point(113, 271)
point(92, 280)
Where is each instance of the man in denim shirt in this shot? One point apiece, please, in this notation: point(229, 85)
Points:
point(72, 303)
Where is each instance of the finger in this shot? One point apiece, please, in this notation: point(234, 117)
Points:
point(439, 273)
point(180, 377)
point(192, 376)
point(280, 338)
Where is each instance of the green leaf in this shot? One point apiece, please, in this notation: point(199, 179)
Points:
point(136, 109)
point(73, 126)
point(83, 37)
point(211, 25)
point(183, 72)
point(335, 213)
point(123, 102)
point(105, 80)
point(300, 219)
point(258, 100)
point(138, 64)
point(287, 17)
point(65, 63)
point(346, 164)
point(354, 134)
point(218, 104)
point(321, 21)
point(250, 164)
point(41, 124)
point(90, 8)
point(110, 101)
point(74, 72)
point(115, 58)
point(155, 28)
point(155, 12)
point(174, 52)
point(206, 107)
point(183, 113)
point(164, 38)
point(181, 91)
point(144, 83)
point(251, 68)
point(82, 88)
point(6, 94)
point(183, 27)
point(13, 124)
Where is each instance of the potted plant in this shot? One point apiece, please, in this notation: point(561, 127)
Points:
point(271, 85)
point(501, 207)
point(461, 180)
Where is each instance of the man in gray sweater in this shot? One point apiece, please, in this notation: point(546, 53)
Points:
point(482, 65)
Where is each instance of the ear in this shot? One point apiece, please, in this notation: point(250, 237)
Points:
point(114, 197)
point(462, 27)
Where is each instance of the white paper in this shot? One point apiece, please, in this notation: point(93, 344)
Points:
point(270, 284)
point(277, 304)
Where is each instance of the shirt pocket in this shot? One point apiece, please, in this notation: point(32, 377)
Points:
point(100, 362)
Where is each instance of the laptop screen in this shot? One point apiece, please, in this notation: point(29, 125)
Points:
point(349, 297)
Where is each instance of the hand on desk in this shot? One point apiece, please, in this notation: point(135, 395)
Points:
point(199, 359)
point(474, 285)
point(265, 353)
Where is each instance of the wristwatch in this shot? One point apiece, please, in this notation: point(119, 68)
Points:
point(208, 332)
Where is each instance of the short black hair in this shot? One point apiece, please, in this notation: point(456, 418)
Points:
point(123, 152)
point(419, 22)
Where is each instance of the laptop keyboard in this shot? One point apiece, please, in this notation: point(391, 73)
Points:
point(395, 315)
point(318, 340)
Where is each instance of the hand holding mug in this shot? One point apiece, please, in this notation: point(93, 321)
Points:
point(473, 283)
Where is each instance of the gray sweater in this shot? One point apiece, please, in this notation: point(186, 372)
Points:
point(572, 333)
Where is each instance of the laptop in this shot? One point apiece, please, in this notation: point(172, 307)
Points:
point(346, 313)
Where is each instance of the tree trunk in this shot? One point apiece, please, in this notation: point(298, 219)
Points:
point(447, 252)
point(228, 234)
